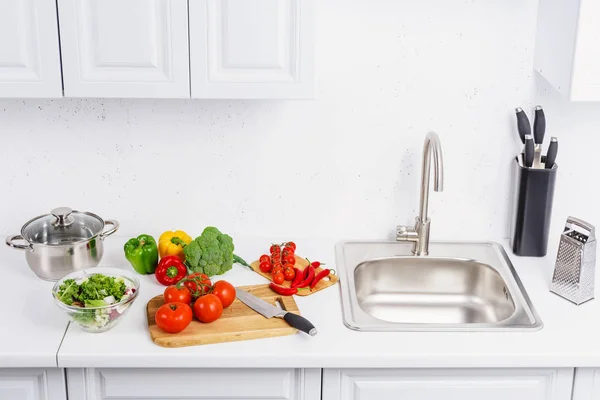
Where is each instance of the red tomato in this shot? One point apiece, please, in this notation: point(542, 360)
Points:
point(292, 245)
point(277, 264)
point(173, 317)
point(225, 292)
point(208, 308)
point(278, 278)
point(192, 281)
point(276, 270)
point(265, 266)
point(290, 260)
point(173, 294)
point(289, 274)
point(289, 250)
point(275, 249)
point(264, 258)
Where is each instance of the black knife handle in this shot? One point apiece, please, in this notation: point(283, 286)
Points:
point(523, 124)
point(552, 151)
point(539, 125)
point(300, 323)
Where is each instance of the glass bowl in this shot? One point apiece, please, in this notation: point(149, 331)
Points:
point(103, 318)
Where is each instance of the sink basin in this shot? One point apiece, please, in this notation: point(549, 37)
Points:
point(459, 286)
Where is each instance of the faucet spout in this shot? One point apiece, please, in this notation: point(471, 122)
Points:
point(419, 235)
point(431, 149)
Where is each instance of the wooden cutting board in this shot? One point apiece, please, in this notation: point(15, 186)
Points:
point(238, 322)
point(301, 264)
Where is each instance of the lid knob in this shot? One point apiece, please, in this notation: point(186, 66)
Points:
point(63, 216)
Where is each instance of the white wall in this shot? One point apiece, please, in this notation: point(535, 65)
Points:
point(344, 166)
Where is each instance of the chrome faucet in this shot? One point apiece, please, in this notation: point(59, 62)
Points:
point(419, 235)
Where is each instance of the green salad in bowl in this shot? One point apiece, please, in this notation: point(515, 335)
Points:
point(96, 298)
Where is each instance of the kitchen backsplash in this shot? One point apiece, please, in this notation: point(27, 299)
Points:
point(346, 165)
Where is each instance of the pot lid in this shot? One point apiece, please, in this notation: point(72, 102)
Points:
point(62, 226)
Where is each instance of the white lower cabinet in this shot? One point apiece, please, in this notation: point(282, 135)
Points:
point(32, 384)
point(194, 384)
point(442, 384)
point(587, 384)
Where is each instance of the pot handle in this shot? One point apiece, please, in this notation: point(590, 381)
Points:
point(9, 242)
point(109, 232)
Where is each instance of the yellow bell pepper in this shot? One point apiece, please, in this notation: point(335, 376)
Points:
point(172, 244)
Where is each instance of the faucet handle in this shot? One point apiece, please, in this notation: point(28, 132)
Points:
point(406, 234)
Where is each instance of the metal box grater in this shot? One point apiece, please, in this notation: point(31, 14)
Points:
point(573, 276)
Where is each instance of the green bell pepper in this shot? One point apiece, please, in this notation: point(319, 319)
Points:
point(142, 253)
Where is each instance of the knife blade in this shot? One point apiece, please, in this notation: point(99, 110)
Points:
point(539, 129)
point(270, 311)
point(528, 153)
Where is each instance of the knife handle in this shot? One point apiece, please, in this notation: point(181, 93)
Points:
point(539, 125)
point(300, 323)
point(523, 125)
point(552, 151)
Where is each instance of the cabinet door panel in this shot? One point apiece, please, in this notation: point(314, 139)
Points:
point(587, 384)
point(252, 49)
point(390, 384)
point(194, 384)
point(32, 384)
point(134, 48)
point(29, 55)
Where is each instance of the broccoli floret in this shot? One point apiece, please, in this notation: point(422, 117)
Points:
point(210, 253)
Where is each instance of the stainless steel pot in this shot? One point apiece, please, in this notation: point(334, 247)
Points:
point(62, 242)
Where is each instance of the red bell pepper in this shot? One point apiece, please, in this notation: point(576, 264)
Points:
point(170, 270)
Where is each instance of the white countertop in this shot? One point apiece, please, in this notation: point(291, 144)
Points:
point(31, 327)
point(568, 338)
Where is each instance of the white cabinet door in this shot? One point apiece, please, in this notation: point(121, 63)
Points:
point(194, 384)
point(29, 55)
point(32, 384)
point(567, 52)
point(252, 49)
point(587, 384)
point(116, 48)
point(488, 384)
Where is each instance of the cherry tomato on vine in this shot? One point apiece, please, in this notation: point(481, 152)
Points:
point(289, 274)
point(278, 278)
point(208, 308)
point(173, 294)
point(264, 258)
point(265, 266)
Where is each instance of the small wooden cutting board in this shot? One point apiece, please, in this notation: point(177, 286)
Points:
point(238, 322)
point(301, 264)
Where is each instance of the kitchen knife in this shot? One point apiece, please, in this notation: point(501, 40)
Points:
point(539, 129)
point(523, 125)
point(270, 311)
point(552, 151)
point(528, 152)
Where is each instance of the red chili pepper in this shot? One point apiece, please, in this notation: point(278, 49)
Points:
point(310, 275)
point(284, 291)
point(316, 264)
point(298, 278)
point(319, 276)
point(170, 270)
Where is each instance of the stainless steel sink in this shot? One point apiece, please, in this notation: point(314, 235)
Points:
point(459, 286)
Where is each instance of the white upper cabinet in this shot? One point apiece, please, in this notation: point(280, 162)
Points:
point(133, 48)
point(567, 51)
point(252, 48)
point(29, 55)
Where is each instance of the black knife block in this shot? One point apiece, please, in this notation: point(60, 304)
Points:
point(533, 193)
